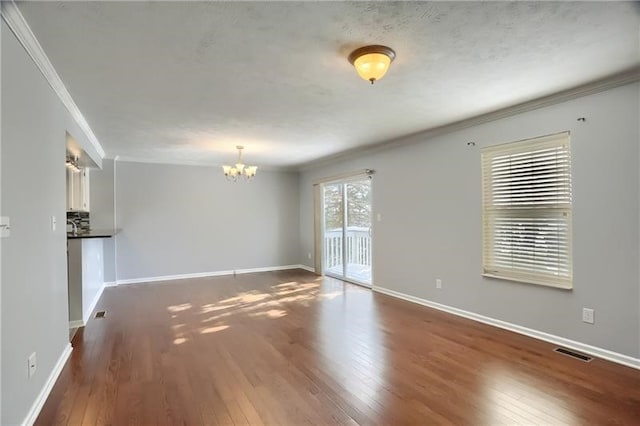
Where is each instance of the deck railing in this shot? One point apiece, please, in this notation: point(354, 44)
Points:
point(358, 247)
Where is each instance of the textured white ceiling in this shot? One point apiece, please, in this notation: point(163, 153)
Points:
point(187, 81)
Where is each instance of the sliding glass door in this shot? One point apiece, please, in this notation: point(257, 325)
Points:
point(347, 230)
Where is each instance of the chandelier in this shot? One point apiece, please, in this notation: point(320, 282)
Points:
point(239, 169)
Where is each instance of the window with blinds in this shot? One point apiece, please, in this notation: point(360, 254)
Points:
point(527, 211)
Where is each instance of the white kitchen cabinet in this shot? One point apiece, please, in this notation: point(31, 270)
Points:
point(78, 190)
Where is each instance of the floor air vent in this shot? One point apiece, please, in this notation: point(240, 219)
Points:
point(100, 314)
point(577, 355)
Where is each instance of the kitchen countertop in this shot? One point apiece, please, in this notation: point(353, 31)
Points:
point(93, 233)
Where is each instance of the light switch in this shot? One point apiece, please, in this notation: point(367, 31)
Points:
point(379, 217)
point(53, 223)
point(5, 227)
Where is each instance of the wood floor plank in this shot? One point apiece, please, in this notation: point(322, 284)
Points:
point(292, 348)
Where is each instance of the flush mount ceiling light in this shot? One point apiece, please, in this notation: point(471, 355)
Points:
point(240, 169)
point(372, 62)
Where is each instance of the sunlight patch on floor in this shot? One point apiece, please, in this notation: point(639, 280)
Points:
point(253, 304)
point(298, 289)
point(272, 313)
point(179, 308)
point(213, 308)
point(209, 330)
point(286, 285)
point(257, 303)
point(330, 296)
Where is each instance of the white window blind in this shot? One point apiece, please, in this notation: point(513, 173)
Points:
point(527, 211)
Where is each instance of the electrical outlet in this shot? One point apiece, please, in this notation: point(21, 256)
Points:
point(309, 255)
point(379, 217)
point(32, 363)
point(588, 315)
point(438, 283)
point(54, 222)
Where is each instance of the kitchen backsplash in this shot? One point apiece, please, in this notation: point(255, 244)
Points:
point(81, 219)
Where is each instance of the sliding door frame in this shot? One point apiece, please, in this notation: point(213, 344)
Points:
point(319, 216)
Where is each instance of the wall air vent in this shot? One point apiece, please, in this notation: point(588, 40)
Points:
point(100, 314)
point(577, 355)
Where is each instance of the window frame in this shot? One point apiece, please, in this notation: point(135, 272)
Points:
point(562, 212)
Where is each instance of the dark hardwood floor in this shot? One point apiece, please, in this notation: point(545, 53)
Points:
point(292, 348)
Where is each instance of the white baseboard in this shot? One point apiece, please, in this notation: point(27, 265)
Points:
point(267, 269)
point(76, 324)
point(110, 283)
point(46, 389)
point(307, 268)
point(86, 315)
point(557, 340)
point(208, 274)
point(172, 277)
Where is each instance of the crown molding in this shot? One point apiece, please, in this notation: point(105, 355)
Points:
point(174, 162)
point(626, 77)
point(20, 28)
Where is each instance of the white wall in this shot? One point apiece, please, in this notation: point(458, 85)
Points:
point(34, 315)
point(1, 43)
point(429, 195)
point(74, 279)
point(187, 219)
point(102, 213)
point(92, 274)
